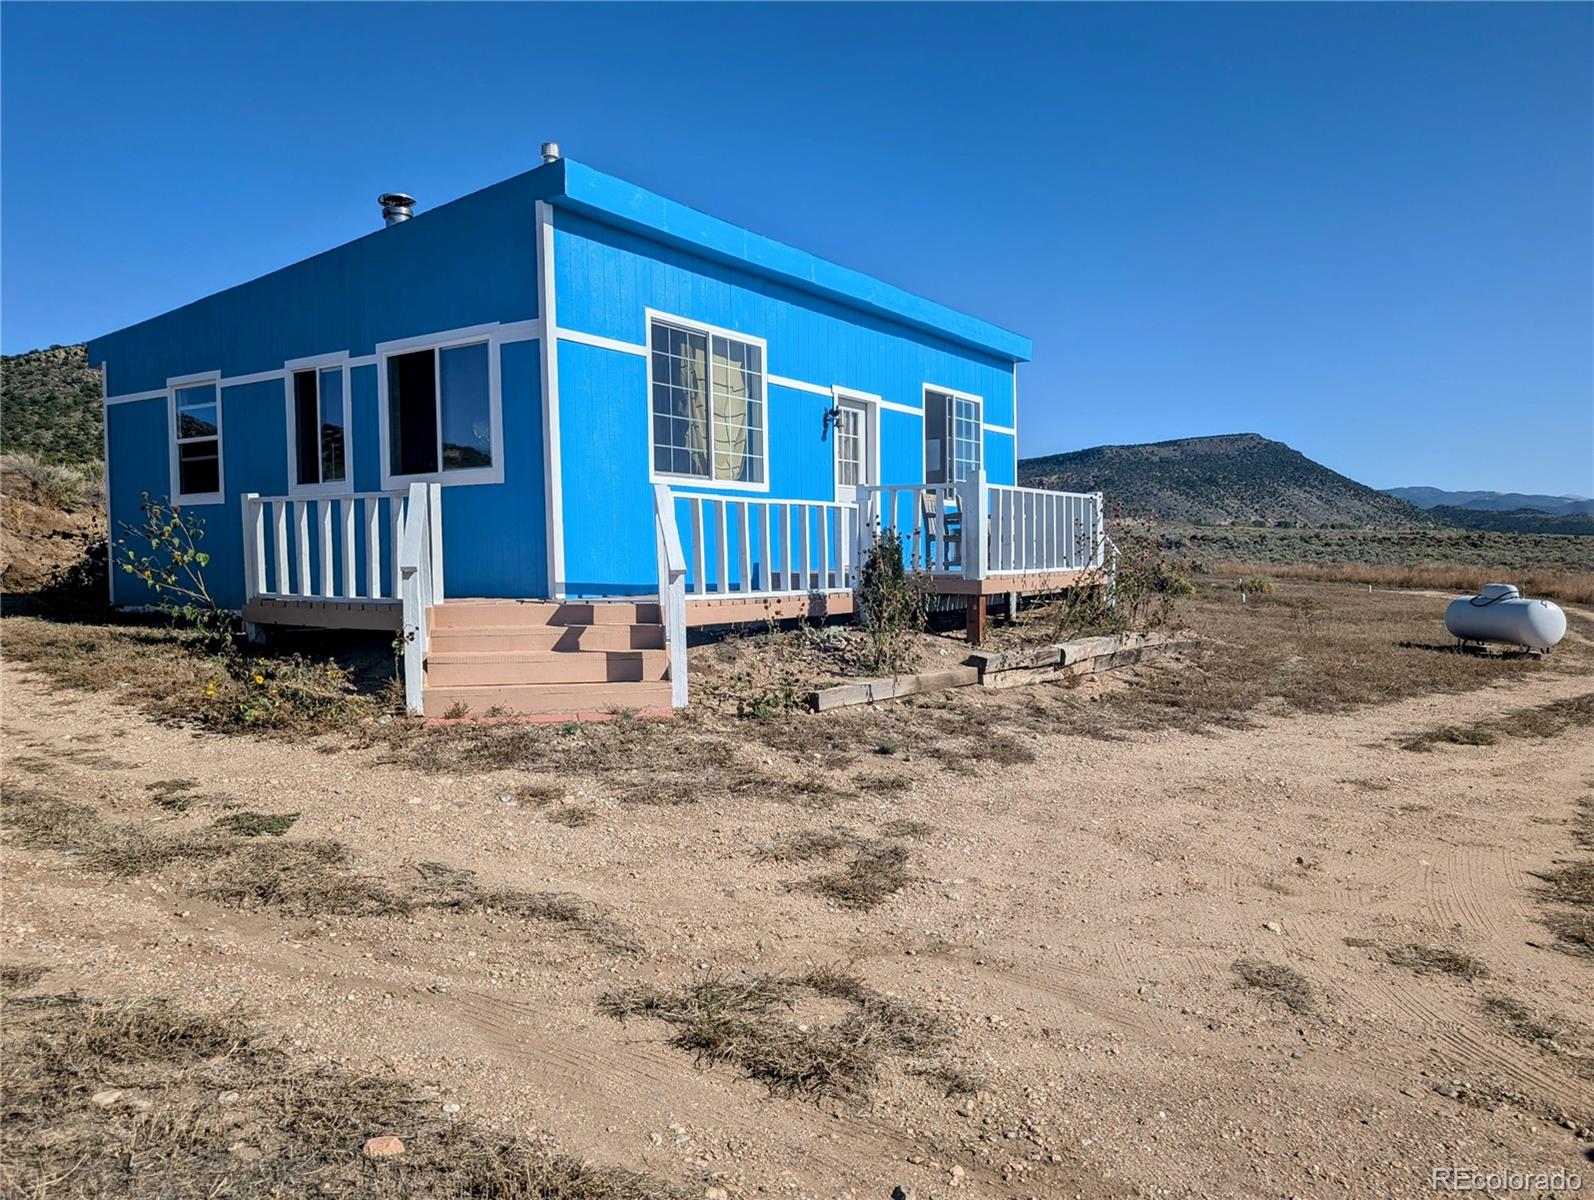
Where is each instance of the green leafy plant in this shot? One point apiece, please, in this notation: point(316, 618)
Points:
point(173, 567)
point(893, 602)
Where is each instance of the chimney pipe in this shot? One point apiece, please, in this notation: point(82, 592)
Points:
point(550, 152)
point(396, 207)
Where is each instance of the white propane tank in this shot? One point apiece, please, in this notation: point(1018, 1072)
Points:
point(1500, 613)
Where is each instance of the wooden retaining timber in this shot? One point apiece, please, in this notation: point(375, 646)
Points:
point(1086, 656)
point(1009, 668)
point(889, 688)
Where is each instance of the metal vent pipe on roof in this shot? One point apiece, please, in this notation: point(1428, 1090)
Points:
point(550, 152)
point(396, 207)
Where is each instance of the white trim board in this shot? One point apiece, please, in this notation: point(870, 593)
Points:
point(552, 452)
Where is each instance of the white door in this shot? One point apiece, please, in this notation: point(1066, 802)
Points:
point(854, 451)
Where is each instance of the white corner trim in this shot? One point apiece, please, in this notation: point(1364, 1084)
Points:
point(1008, 430)
point(105, 439)
point(553, 473)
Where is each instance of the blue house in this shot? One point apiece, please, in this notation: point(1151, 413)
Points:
point(541, 429)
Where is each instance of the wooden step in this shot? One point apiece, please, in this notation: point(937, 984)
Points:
point(488, 668)
point(504, 639)
point(459, 614)
point(573, 699)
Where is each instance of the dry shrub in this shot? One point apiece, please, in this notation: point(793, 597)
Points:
point(1428, 960)
point(198, 1106)
point(904, 827)
point(748, 1022)
point(257, 824)
point(52, 485)
point(1527, 1024)
point(1277, 982)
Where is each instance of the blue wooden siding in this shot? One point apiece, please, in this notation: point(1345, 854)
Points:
point(606, 278)
point(464, 263)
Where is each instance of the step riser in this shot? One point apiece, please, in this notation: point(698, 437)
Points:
point(465, 614)
point(533, 699)
point(495, 671)
point(548, 637)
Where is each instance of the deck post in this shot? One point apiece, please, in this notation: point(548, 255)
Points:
point(974, 498)
point(672, 588)
point(975, 616)
point(434, 523)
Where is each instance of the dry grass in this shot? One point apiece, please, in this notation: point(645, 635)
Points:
point(903, 827)
point(1540, 721)
point(257, 824)
point(16, 977)
point(876, 871)
point(1277, 982)
point(1310, 648)
point(573, 816)
point(1427, 960)
point(1574, 587)
point(167, 673)
point(1527, 1024)
point(194, 1106)
point(757, 1024)
point(875, 874)
point(307, 877)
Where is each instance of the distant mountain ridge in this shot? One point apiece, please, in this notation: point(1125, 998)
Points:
point(1230, 479)
point(1432, 497)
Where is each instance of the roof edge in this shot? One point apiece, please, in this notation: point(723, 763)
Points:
point(615, 202)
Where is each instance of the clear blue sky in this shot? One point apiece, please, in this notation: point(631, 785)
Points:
point(1366, 230)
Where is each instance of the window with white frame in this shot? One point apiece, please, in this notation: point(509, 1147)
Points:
point(707, 405)
point(196, 450)
point(320, 411)
point(440, 410)
point(953, 436)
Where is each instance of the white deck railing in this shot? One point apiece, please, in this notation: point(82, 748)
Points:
point(363, 548)
point(740, 547)
point(977, 530)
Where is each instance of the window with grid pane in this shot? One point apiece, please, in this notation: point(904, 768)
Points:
point(198, 413)
point(707, 406)
point(965, 438)
point(849, 447)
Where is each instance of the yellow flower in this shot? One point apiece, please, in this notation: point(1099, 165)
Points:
point(259, 678)
point(210, 688)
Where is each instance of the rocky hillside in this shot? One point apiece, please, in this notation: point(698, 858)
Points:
point(1237, 478)
point(50, 406)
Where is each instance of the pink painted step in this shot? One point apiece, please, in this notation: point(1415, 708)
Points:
point(573, 699)
point(457, 614)
point(479, 668)
point(503, 639)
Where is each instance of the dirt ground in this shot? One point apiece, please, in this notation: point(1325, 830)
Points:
point(1136, 937)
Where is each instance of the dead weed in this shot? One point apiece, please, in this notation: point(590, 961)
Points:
point(142, 1098)
point(758, 1024)
point(1277, 982)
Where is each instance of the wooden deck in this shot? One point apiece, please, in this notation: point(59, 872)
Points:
point(314, 613)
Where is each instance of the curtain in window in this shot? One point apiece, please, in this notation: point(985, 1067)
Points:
point(732, 390)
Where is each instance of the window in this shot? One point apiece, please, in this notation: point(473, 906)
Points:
point(196, 444)
point(707, 405)
point(953, 436)
point(319, 424)
point(849, 445)
point(442, 413)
